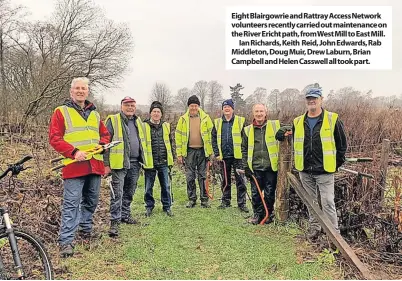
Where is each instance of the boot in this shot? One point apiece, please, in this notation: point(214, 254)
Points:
point(190, 204)
point(114, 229)
point(148, 212)
point(129, 220)
point(244, 209)
point(66, 251)
point(313, 233)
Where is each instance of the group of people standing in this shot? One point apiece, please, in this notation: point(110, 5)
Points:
point(249, 150)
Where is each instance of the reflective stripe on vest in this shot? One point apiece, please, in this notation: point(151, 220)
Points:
point(81, 134)
point(116, 156)
point(272, 144)
point(327, 141)
point(238, 123)
point(149, 162)
point(182, 133)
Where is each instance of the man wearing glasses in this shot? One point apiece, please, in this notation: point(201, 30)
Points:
point(123, 162)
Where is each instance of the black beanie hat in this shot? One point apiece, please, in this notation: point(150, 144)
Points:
point(156, 104)
point(193, 99)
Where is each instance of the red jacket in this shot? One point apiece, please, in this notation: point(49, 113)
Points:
point(56, 133)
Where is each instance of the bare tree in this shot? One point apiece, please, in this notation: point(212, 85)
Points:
point(182, 97)
point(215, 95)
point(274, 99)
point(259, 96)
point(77, 41)
point(10, 18)
point(161, 93)
point(201, 90)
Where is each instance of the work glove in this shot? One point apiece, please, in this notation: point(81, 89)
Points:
point(280, 135)
point(248, 172)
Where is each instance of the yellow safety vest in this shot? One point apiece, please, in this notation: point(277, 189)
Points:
point(116, 156)
point(327, 140)
point(272, 144)
point(149, 161)
point(183, 131)
point(238, 123)
point(81, 134)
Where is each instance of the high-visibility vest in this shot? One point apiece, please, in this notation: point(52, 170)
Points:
point(238, 123)
point(183, 131)
point(327, 140)
point(272, 144)
point(81, 134)
point(116, 155)
point(149, 161)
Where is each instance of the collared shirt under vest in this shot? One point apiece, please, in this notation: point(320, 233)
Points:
point(116, 154)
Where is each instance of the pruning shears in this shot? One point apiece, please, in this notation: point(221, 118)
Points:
point(96, 150)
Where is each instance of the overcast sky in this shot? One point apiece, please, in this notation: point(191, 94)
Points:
point(182, 41)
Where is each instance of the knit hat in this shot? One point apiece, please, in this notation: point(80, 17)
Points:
point(228, 102)
point(193, 99)
point(156, 104)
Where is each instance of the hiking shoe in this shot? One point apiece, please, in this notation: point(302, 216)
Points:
point(148, 212)
point(205, 205)
point(223, 206)
point(253, 220)
point(66, 251)
point(88, 235)
point(244, 209)
point(313, 233)
point(129, 220)
point(169, 212)
point(190, 204)
point(114, 229)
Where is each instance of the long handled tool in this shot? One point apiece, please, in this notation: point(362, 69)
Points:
point(170, 183)
point(226, 178)
point(109, 182)
point(356, 173)
point(98, 149)
point(355, 160)
point(207, 181)
point(261, 195)
point(263, 201)
point(362, 159)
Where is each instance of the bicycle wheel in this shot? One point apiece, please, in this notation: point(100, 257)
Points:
point(35, 260)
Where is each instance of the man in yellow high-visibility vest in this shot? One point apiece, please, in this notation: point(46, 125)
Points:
point(158, 159)
point(320, 144)
point(75, 127)
point(194, 148)
point(226, 142)
point(260, 153)
point(124, 161)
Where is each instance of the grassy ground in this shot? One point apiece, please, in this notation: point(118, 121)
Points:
point(197, 244)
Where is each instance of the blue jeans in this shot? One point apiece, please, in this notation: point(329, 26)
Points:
point(163, 176)
point(124, 183)
point(80, 199)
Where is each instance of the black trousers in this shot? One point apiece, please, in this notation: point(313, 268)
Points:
point(232, 164)
point(267, 182)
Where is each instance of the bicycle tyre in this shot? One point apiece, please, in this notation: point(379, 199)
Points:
point(37, 245)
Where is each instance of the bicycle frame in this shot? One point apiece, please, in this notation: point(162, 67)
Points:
point(6, 223)
point(15, 169)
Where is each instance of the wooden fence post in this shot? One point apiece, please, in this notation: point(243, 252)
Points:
point(384, 167)
point(282, 191)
